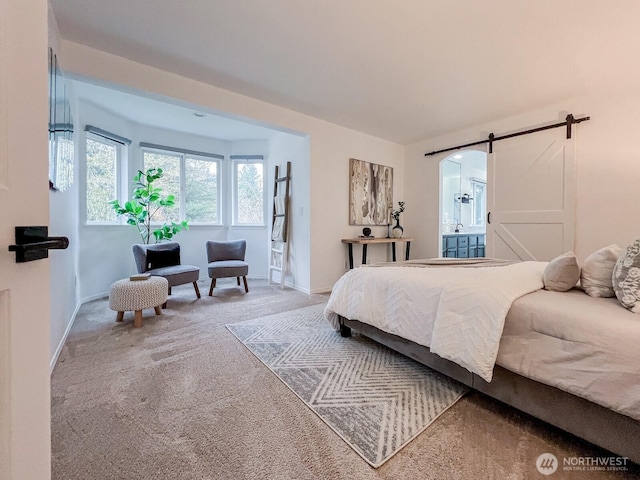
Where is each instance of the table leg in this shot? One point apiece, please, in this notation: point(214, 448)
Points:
point(120, 317)
point(407, 254)
point(364, 254)
point(137, 319)
point(393, 251)
point(350, 245)
point(158, 310)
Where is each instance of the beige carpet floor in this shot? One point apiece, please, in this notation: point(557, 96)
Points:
point(182, 398)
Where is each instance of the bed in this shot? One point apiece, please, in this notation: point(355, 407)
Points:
point(567, 358)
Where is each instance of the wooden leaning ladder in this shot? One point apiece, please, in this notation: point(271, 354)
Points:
point(280, 226)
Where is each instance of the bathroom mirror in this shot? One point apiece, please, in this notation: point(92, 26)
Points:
point(479, 205)
point(451, 177)
point(463, 201)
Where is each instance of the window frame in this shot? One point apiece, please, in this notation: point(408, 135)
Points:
point(119, 190)
point(182, 203)
point(246, 159)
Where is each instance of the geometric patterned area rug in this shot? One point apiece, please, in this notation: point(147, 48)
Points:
point(375, 399)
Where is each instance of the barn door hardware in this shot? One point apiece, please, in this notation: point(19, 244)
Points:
point(569, 121)
point(34, 243)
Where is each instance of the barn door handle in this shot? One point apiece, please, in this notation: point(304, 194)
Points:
point(489, 217)
point(34, 243)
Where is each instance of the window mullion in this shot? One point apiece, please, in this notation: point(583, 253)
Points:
point(119, 190)
point(183, 188)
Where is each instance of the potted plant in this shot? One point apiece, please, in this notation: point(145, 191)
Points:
point(145, 204)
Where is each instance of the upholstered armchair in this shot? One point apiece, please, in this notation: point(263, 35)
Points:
point(163, 260)
point(226, 259)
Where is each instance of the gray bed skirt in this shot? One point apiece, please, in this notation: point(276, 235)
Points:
point(592, 422)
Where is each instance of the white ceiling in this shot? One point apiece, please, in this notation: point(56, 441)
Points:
point(403, 70)
point(158, 113)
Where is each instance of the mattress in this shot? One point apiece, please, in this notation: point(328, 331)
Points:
point(457, 312)
point(584, 345)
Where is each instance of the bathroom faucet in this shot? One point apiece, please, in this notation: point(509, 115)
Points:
point(458, 228)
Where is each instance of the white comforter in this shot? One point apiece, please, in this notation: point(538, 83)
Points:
point(457, 312)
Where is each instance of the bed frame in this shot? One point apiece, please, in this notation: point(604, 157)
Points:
point(599, 425)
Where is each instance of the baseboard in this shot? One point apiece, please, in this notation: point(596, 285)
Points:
point(307, 290)
point(296, 287)
point(91, 298)
point(56, 354)
point(60, 346)
point(322, 290)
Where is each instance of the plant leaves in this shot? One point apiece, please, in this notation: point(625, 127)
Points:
point(145, 202)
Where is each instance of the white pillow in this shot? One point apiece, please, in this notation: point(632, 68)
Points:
point(597, 272)
point(562, 273)
point(626, 277)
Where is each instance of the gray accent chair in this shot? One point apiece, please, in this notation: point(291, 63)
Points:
point(176, 274)
point(226, 259)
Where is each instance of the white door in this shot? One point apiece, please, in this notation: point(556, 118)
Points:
point(24, 200)
point(531, 196)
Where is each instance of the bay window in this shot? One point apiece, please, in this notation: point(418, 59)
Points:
point(248, 190)
point(193, 178)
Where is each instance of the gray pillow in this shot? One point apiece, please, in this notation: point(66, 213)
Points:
point(626, 277)
point(597, 272)
point(562, 273)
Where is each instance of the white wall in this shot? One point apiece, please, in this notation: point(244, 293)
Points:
point(295, 149)
point(63, 221)
point(608, 169)
point(104, 252)
point(331, 146)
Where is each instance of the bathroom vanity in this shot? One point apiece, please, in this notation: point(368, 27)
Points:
point(463, 245)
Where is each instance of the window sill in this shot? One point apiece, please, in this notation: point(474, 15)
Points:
point(105, 225)
point(195, 226)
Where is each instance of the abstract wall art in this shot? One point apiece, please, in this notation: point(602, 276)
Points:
point(370, 193)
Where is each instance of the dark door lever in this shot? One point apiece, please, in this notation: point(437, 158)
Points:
point(34, 243)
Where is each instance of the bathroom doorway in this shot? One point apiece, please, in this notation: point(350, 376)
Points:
point(463, 204)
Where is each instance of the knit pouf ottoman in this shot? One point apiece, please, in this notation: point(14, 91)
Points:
point(126, 296)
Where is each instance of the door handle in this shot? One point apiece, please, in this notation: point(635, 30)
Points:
point(489, 217)
point(34, 243)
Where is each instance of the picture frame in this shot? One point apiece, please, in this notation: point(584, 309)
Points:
point(370, 193)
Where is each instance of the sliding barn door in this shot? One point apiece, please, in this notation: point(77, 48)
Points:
point(531, 196)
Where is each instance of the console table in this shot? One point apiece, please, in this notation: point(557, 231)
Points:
point(364, 241)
